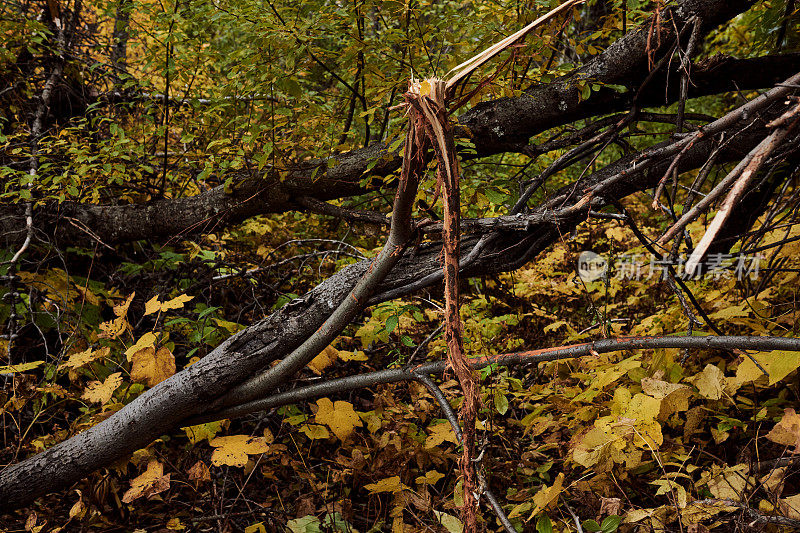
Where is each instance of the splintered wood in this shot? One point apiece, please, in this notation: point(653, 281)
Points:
point(429, 128)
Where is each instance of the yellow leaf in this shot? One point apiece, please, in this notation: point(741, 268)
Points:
point(234, 449)
point(430, 478)
point(152, 366)
point(148, 340)
point(352, 356)
point(85, 357)
point(78, 510)
point(732, 311)
point(425, 88)
point(315, 431)
point(174, 524)
point(787, 431)
point(98, 392)
point(389, 484)
point(122, 309)
point(256, 528)
point(176, 303)
point(674, 396)
point(710, 382)
point(449, 522)
point(22, 367)
point(150, 483)
point(88, 295)
point(778, 365)
point(439, 433)
point(325, 359)
point(547, 495)
point(113, 328)
point(152, 306)
point(339, 416)
point(202, 432)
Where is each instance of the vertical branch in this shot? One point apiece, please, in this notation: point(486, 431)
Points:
point(428, 106)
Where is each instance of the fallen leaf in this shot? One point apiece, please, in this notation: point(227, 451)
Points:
point(547, 495)
point(151, 482)
point(326, 358)
point(778, 365)
point(199, 472)
point(339, 416)
point(439, 433)
point(787, 431)
point(234, 449)
point(710, 382)
point(389, 484)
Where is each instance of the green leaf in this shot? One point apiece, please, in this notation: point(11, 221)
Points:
point(306, 524)
point(543, 525)
point(591, 526)
point(611, 523)
point(391, 323)
point(500, 403)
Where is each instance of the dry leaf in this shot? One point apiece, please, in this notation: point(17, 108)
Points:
point(339, 416)
point(787, 431)
point(710, 382)
point(150, 483)
point(234, 449)
point(325, 359)
point(389, 484)
point(199, 472)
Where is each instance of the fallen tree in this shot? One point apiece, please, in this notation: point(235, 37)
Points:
point(241, 375)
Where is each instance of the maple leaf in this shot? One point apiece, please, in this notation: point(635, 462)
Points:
point(121, 310)
point(234, 449)
point(202, 432)
point(101, 393)
point(440, 433)
point(339, 416)
point(152, 366)
point(154, 305)
point(151, 482)
point(113, 328)
point(85, 357)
